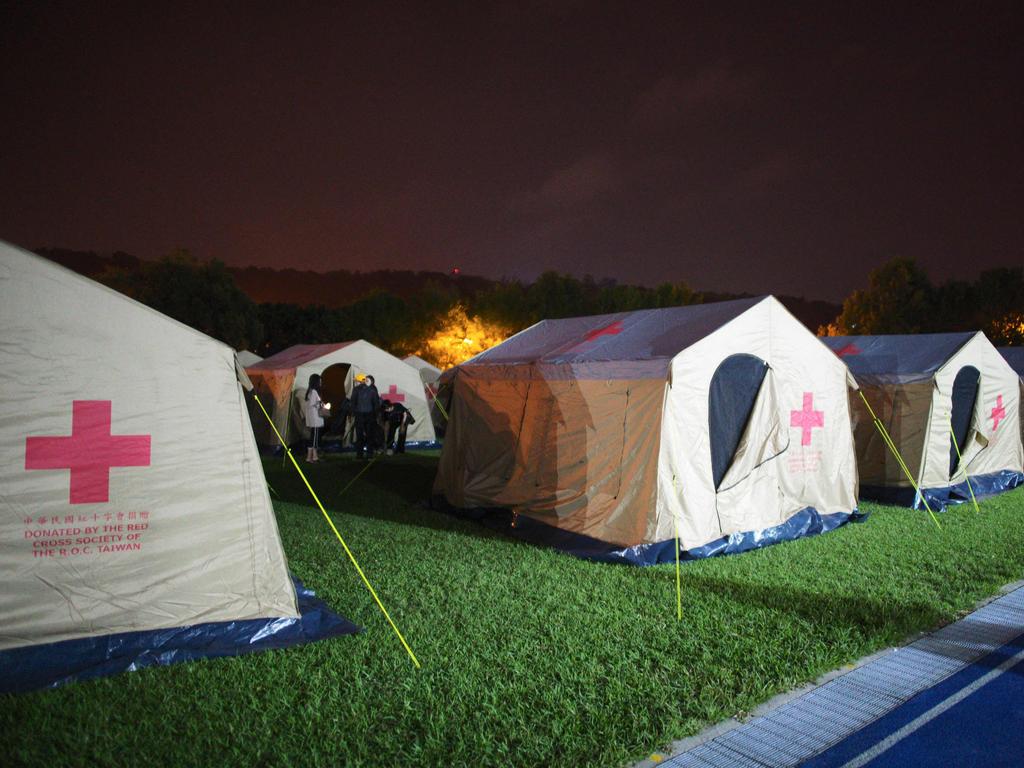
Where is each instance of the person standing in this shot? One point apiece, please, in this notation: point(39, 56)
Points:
point(365, 404)
point(314, 418)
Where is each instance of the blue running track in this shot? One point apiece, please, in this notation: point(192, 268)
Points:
point(974, 718)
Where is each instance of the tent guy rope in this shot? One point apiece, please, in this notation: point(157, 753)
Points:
point(440, 407)
point(360, 474)
point(330, 522)
point(899, 458)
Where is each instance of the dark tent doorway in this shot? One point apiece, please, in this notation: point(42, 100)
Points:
point(334, 390)
point(731, 399)
point(965, 395)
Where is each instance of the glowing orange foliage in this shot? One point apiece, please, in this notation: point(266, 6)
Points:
point(459, 338)
point(1007, 330)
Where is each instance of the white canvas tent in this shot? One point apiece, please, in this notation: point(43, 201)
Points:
point(429, 374)
point(728, 422)
point(926, 388)
point(281, 380)
point(431, 377)
point(132, 497)
point(247, 358)
point(1015, 357)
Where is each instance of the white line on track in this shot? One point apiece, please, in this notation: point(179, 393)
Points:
point(921, 720)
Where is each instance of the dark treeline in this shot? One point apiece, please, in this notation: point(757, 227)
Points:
point(402, 325)
point(900, 298)
point(398, 310)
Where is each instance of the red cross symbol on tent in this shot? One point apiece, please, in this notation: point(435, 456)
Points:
point(998, 413)
point(613, 329)
point(849, 349)
point(807, 419)
point(89, 451)
point(393, 396)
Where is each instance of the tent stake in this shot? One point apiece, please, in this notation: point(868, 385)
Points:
point(340, 539)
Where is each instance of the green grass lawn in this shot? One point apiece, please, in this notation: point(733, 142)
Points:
point(529, 657)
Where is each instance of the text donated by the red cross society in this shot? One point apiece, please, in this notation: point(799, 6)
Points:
point(94, 534)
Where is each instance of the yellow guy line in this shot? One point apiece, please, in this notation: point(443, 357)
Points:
point(437, 402)
point(368, 465)
point(343, 544)
point(960, 459)
point(896, 453)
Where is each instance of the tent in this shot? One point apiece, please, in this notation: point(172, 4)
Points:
point(429, 374)
point(135, 525)
point(280, 380)
point(1015, 357)
point(925, 389)
point(606, 435)
point(247, 358)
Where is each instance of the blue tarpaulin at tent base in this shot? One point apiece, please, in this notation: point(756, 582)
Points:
point(806, 522)
point(982, 485)
point(940, 498)
point(55, 664)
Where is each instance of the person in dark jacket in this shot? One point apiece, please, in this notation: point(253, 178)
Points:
point(398, 419)
point(365, 405)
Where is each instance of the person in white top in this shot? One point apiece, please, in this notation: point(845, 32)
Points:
point(314, 417)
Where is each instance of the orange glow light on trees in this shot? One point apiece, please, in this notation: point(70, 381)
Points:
point(460, 337)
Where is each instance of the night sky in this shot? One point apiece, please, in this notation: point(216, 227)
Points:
point(745, 149)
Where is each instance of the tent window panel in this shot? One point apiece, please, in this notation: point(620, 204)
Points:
point(964, 397)
point(733, 391)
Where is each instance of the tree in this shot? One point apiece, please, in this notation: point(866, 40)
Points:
point(432, 301)
point(675, 295)
point(200, 294)
point(898, 299)
point(955, 307)
point(379, 317)
point(555, 295)
point(504, 304)
point(1007, 331)
point(458, 337)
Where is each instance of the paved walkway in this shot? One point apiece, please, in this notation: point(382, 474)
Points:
point(954, 697)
